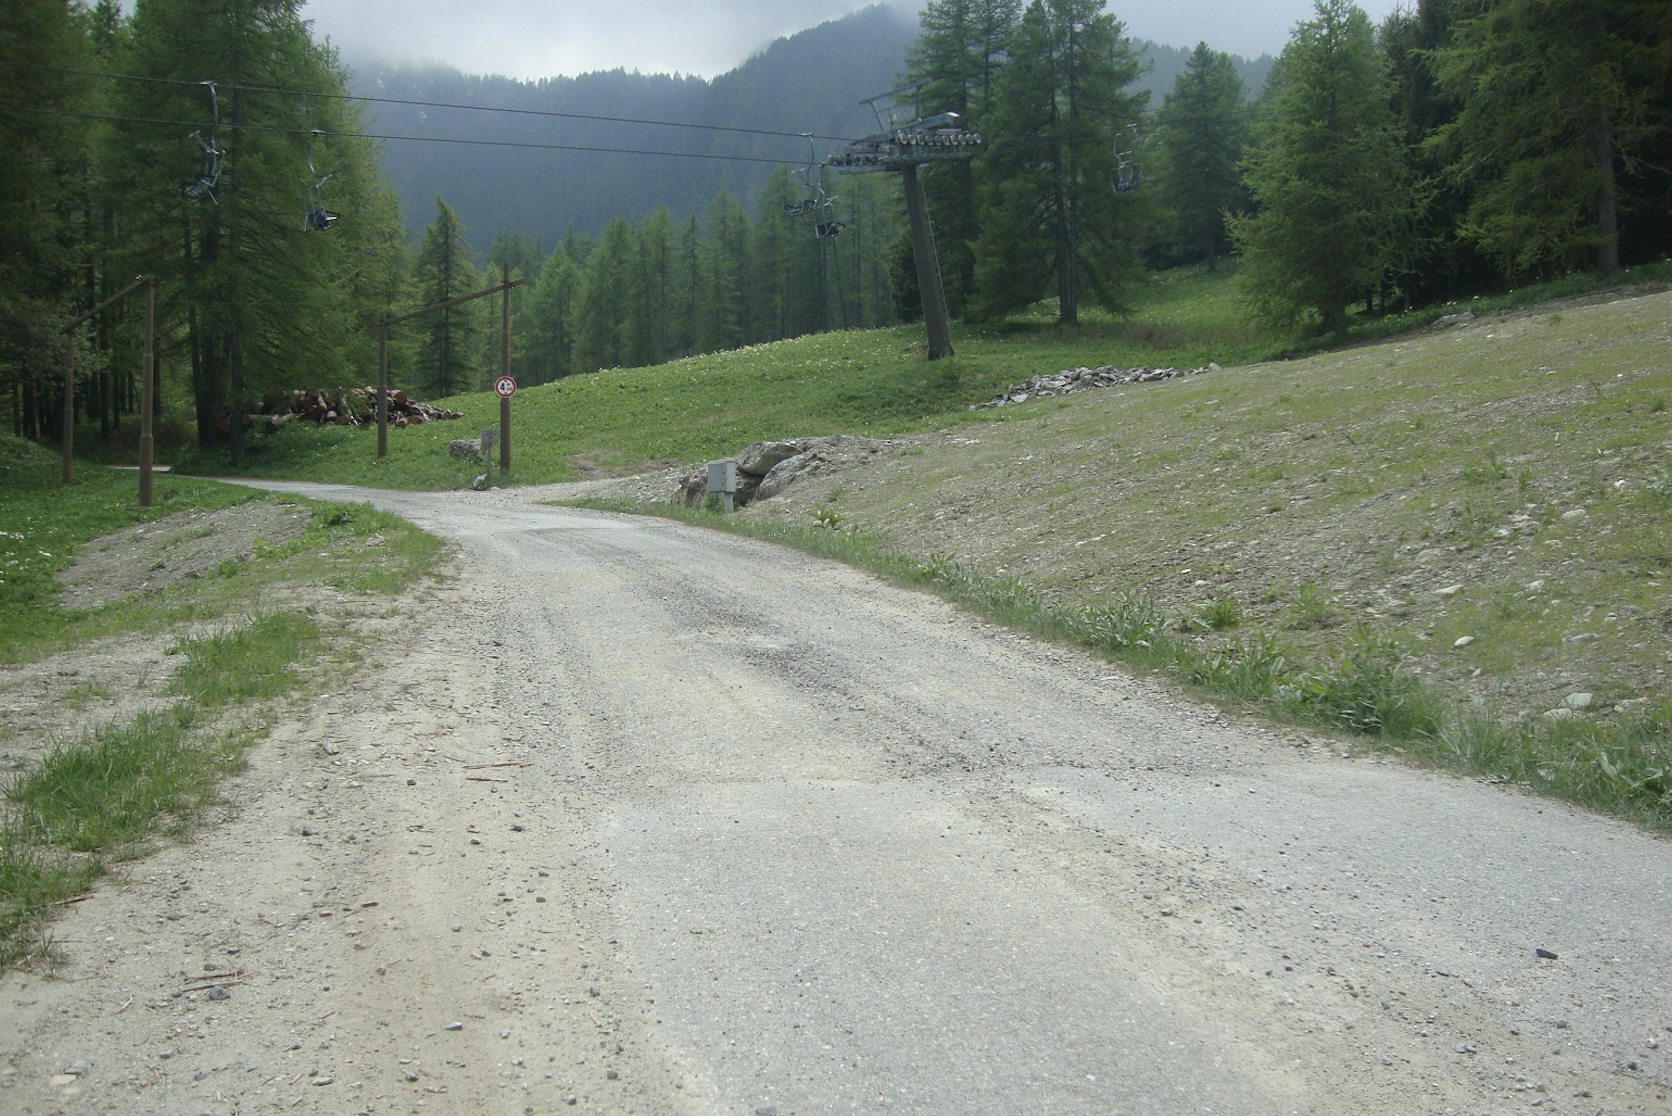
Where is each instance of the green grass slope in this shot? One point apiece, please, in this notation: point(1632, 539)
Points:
point(874, 383)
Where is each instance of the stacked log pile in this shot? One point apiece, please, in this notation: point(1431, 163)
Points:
point(1084, 379)
point(350, 407)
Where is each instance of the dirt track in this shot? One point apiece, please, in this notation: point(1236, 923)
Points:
point(671, 822)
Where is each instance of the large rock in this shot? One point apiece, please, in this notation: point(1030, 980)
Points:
point(767, 468)
point(760, 458)
point(787, 472)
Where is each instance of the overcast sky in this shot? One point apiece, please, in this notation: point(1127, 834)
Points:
point(540, 38)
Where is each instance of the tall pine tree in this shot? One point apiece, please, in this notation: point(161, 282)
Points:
point(1336, 202)
point(1557, 102)
point(1052, 219)
point(45, 159)
point(445, 271)
point(956, 58)
point(219, 210)
point(1202, 135)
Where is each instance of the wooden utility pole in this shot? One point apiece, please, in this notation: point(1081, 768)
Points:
point(385, 321)
point(505, 368)
point(146, 385)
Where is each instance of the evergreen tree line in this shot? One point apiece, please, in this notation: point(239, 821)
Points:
point(1460, 145)
point(645, 292)
point(213, 164)
point(217, 147)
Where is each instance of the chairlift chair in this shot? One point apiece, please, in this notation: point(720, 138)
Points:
point(203, 186)
point(317, 218)
point(1126, 166)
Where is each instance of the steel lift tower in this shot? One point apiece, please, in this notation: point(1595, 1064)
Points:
point(903, 147)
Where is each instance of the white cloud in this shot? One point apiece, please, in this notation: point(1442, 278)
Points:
point(540, 38)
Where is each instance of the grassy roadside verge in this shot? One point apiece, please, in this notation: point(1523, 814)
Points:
point(104, 797)
point(1360, 688)
point(256, 630)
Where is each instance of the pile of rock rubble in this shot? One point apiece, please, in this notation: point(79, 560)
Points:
point(1084, 379)
point(765, 469)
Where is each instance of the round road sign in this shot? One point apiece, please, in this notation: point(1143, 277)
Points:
point(505, 386)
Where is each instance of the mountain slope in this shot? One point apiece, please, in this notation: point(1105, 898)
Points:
point(812, 82)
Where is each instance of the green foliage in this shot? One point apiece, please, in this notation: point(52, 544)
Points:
point(1050, 216)
point(252, 293)
point(1336, 200)
point(1558, 102)
point(248, 662)
point(1127, 626)
point(444, 272)
point(1203, 133)
point(957, 57)
point(1362, 688)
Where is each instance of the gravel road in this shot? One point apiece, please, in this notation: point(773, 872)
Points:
point(642, 818)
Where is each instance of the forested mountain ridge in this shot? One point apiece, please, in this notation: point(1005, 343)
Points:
point(811, 82)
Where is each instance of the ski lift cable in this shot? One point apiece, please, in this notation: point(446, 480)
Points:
point(522, 144)
point(447, 105)
point(534, 146)
point(503, 111)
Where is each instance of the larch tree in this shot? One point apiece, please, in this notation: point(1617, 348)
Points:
point(956, 59)
point(1333, 190)
point(552, 316)
point(1203, 131)
point(1052, 220)
point(721, 317)
point(224, 211)
point(45, 157)
point(1556, 102)
point(444, 271)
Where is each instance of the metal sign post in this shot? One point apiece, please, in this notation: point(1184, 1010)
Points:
point(505, 387)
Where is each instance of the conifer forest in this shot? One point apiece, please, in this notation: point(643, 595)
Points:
point(223, 151)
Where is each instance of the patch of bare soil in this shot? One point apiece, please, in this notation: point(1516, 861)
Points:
point(111, 681)
point(175, 549)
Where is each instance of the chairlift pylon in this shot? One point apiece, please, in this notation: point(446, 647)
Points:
point(203, 186)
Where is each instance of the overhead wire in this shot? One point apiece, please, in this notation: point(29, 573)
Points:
point(118, 119)
point(495, 109)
